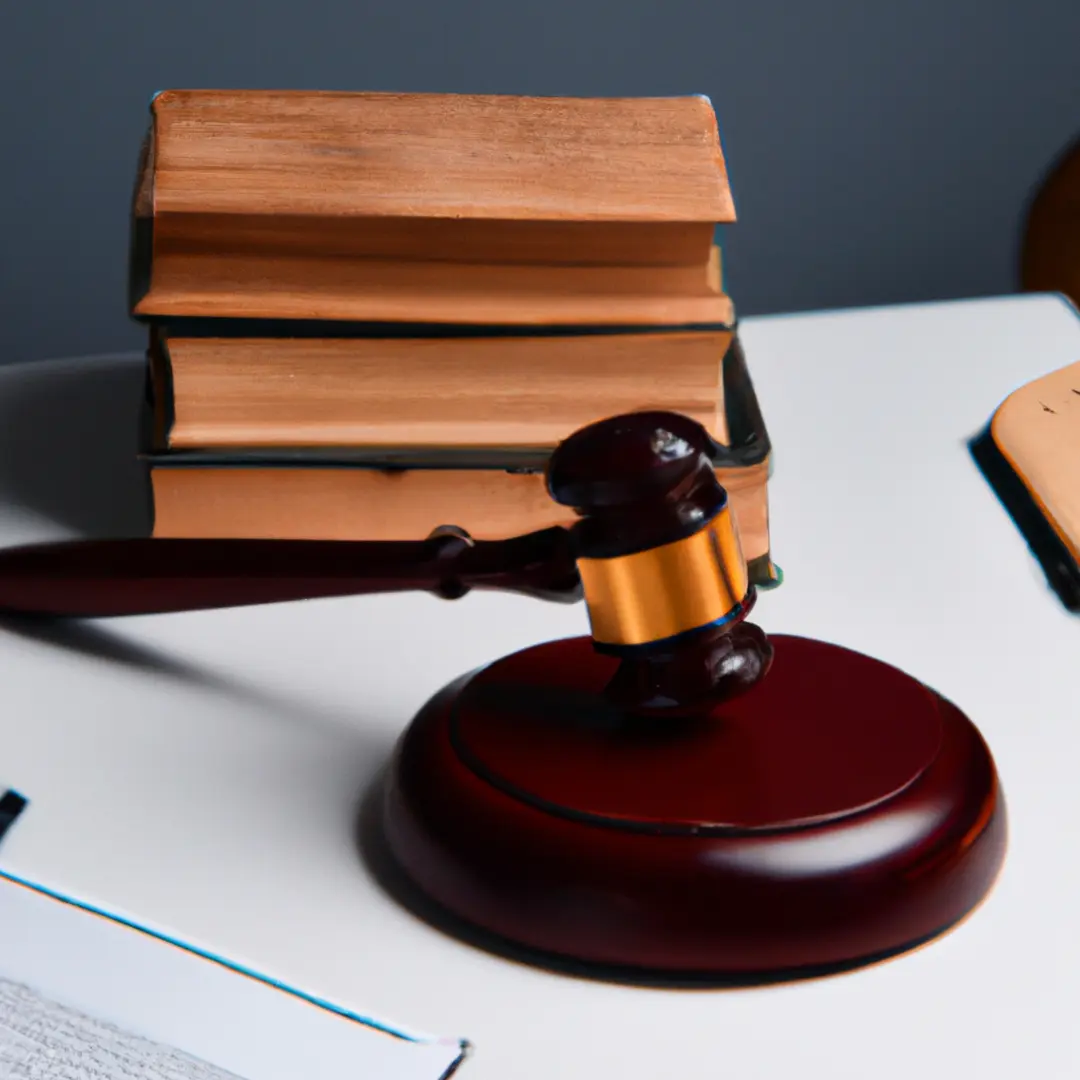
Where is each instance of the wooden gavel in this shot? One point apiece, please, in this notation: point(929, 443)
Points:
point(654, 552)
point(676, 793)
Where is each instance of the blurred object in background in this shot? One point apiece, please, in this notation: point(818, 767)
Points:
point(1050, 257)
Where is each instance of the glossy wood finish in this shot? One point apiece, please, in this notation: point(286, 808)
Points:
point(717, 770)
point(637, 481)
point(142, 577)
point(834, 813)
point(691, 672)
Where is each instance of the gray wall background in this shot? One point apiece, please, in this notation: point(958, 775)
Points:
point(880, 152)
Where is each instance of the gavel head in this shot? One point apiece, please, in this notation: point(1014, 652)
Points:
point(657, 548)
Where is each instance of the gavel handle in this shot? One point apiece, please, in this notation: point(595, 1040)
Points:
point(92, 579)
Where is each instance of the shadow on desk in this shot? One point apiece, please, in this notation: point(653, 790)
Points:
point(100, 642)
point(69, 432)
point(69, 443)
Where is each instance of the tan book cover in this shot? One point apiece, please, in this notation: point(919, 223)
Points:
point(314, 502)
point(1030, 454)
point(444, 208)
point(436, 392)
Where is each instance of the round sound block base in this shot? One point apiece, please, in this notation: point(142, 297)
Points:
point(838, 813)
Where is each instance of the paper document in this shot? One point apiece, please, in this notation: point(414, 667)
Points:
point(84, 996)
point(40, 1039)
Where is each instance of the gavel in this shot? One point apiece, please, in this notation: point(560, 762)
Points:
point(674, 795)
point(654, 552)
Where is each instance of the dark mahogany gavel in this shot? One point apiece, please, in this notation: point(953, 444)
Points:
point(654, 552)
point(675, 793)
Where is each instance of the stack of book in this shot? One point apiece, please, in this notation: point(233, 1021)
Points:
point(375, 314)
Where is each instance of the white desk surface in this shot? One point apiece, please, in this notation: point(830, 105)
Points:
point(201, 772)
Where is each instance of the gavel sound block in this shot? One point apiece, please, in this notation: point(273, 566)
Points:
point(677, 793)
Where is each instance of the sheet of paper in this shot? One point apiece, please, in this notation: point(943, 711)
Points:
point(41, 1039)
point(72, 978)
